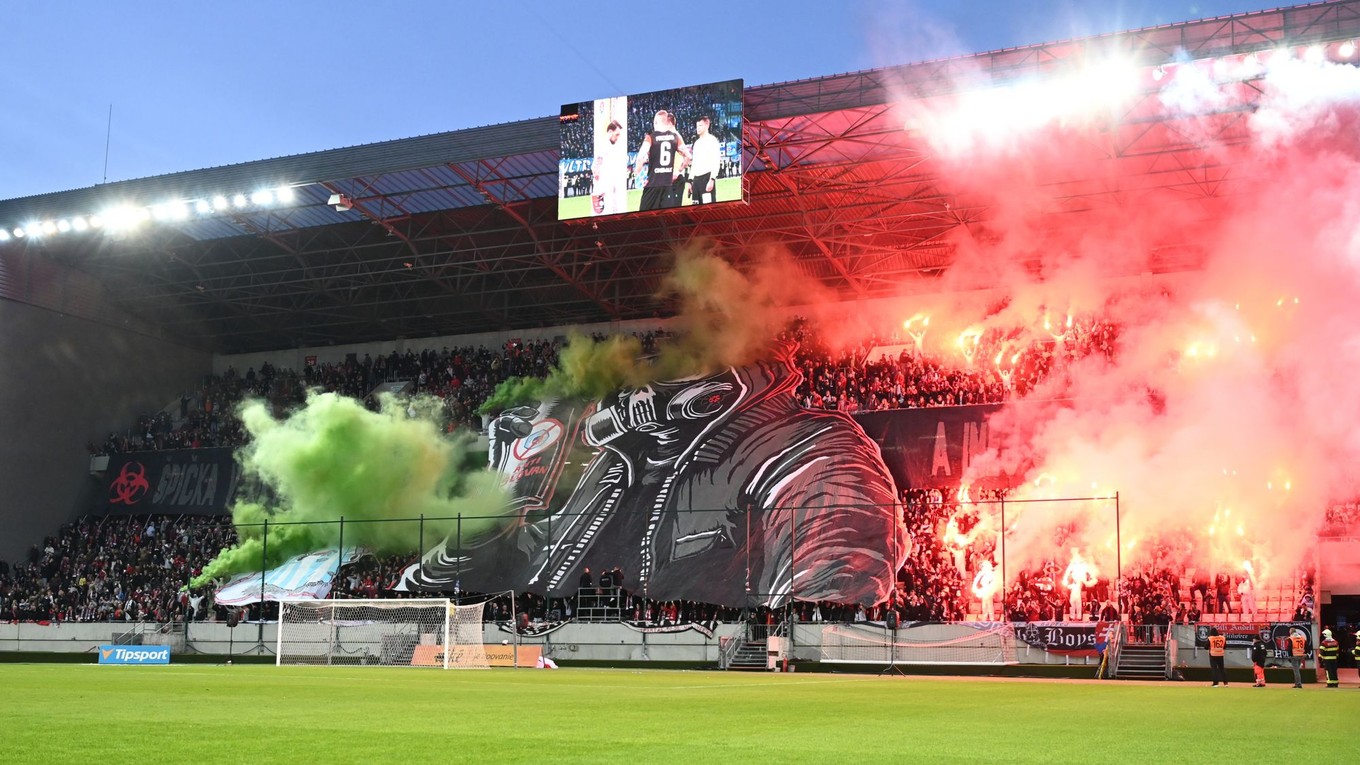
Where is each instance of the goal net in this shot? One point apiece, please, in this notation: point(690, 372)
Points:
point(938, 644)
point(399, 632)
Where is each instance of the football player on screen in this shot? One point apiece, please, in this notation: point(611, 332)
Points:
point(609, 195)
point(664, 154)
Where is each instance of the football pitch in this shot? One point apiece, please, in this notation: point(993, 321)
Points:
point(316, 715)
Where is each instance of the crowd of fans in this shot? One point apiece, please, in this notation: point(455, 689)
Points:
point(994, 367)
point(990, 367)
point(114, 569)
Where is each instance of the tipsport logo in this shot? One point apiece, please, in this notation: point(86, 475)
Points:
point(117, 654)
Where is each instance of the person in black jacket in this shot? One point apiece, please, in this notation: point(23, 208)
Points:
point(1258, 661)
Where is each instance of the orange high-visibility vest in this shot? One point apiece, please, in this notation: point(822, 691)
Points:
point(1217, 644)
point(1297, 645)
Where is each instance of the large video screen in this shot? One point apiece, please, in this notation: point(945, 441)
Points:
point(651, 151)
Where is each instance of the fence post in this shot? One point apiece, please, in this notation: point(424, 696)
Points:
point(264, 566)
point(420, 548)
point(339, 553)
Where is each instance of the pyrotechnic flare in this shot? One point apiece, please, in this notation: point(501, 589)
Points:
point(1078, 576)
point(984, 589)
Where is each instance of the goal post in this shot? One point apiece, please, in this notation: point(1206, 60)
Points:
point(415, 632)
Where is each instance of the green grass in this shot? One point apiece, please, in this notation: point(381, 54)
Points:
point(254, 714)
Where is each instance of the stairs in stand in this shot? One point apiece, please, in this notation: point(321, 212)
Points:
point(1141, 662)
point(749, 657)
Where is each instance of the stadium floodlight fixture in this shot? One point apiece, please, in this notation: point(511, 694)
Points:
point(49, 227)
point(4, 235)
point(63, 225)
point(1346, 49)
point(179, 210)
point(285, 195)
point(239, 200)
point(96, 221)
point(262, 197)
point(79, 223)
point(202, 207)
point(19, 232)
point(220, 202)
point(125, 216)
point(1315, 54)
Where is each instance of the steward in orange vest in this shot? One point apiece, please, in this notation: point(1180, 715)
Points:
point(1217, 644)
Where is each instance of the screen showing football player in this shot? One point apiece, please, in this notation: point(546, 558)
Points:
point(664, 155)
point(704, 169)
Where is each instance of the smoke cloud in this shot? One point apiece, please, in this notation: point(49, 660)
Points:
point(1225, 419)
point(379, 471)
point(726, 317)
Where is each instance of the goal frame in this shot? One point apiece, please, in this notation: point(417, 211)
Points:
point(446, 604)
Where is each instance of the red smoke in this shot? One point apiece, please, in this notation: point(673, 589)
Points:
point(1227, 417)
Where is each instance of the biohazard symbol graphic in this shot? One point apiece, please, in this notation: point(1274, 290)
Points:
point(130, 485)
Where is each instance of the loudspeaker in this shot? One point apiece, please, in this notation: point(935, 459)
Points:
point(233, 618)
point(892, 620)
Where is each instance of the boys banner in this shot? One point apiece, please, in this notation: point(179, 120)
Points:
point(719, 489)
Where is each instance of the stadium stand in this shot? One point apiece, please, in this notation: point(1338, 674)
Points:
point(137, 568)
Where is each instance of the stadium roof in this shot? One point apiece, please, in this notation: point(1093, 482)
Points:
point(457, 232)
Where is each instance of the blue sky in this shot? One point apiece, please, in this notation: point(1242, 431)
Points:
point(203, 84)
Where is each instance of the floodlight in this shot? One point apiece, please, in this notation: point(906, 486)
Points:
point(262, 197)
point(4, 235)
point(78, 223)
point(63, 225)
point(19, 233)
point(48, 227)
point(1346, 49)
point(219, 202)
point(178, 210)
point(1314, 54)
point(96, 221)
point(202, 207)
point(285, 194)
point(239, 200)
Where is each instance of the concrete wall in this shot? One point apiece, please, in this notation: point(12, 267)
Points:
point(65, 381)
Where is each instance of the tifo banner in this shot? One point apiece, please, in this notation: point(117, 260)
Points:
point(696, 489)
point(1240, 636)
point(930, 447)
point(134, 654)
point(304, 576)
point(184, 481)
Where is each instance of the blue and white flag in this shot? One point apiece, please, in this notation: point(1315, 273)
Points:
point(304, 576)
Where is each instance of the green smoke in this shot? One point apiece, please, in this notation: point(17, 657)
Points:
point(378, 471)
point(726, 318)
